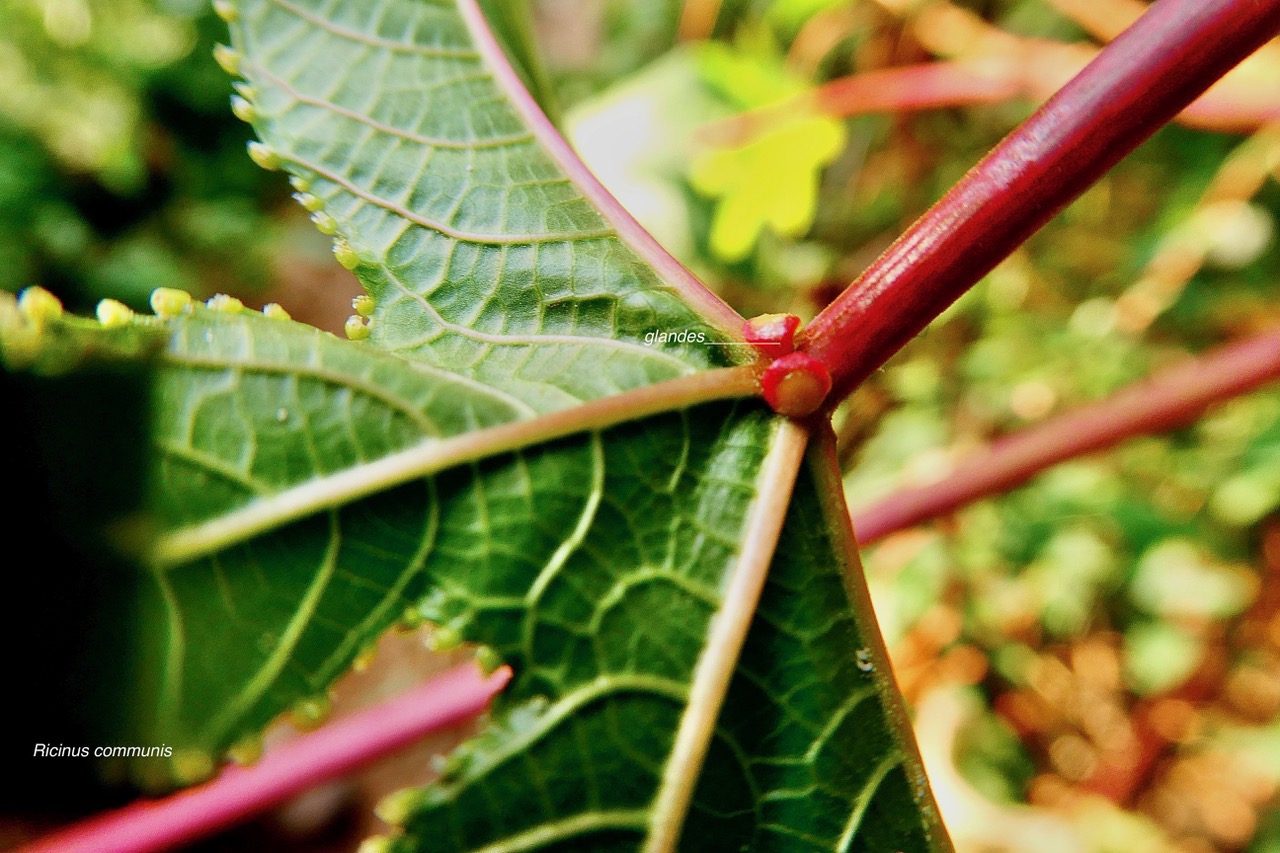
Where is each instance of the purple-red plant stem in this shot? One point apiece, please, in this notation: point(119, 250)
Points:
point(336, 749)
point(1135, 85)
point(1172, 398)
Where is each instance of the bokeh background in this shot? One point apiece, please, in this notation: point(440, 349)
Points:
point(1093, 659)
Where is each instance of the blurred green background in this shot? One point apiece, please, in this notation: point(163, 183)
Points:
point(1094, 658)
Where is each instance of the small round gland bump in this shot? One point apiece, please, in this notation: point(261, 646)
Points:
point(191, 766)
point(307, 200)
point(169, 301)
point(365, 658)
point(242, 109)
point(264, 156)
point(375, 844)
point(349, 259)
point(226, 10)
point(113, 314)
point(39, 305)
point(443, 639)
point(363, 305)
point(246, 751)
point(488, 660)
point(398, 806)
point(224, 303)
point(275, 311)
point(227, 58)
point(796, 384)
point(311, 713)
point(356, 327)
point(773, 335)
point(324, 223)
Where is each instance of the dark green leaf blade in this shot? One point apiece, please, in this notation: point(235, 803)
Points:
point(416, 143)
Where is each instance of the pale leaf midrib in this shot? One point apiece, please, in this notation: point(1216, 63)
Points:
point(369, 478)
point(727, 632)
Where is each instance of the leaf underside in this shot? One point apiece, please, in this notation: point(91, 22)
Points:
point(482, 255)
point(592, 563)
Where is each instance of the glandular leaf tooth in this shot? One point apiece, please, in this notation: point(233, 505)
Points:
point(365, 657)
point(170, 301)
point(311, 713)
point(264, 156)
point(300, 183)
point(39, 305)
point(356, 327)
point(275, 311)
point(191, 766)
point(113, 313)
point(375, 844)
point(363, 305)
point(226, 10)
point(309, 201)
point(348, 258)
point(325, 223)
point(443, 639)
point(227, 58)
point(246, 751)
point(396, 807)
point(242, 109)
point(224, 303)
point(488, 660)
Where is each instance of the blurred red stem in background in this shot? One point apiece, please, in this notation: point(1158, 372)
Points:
point(331, 752)
point(1135, 85)
point(1172, 398)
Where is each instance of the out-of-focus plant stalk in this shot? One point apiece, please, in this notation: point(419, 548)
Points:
point(1172, 398)
point(1135, 85)
point(329, 753)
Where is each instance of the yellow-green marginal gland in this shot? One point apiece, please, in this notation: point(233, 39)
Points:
point(169, 301)
point(113, 313)
point(227, 58)
point(39, 304)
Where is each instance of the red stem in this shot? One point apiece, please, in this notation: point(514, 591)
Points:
point(1134, 86)
point(331, 752)
point(1170, 399)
